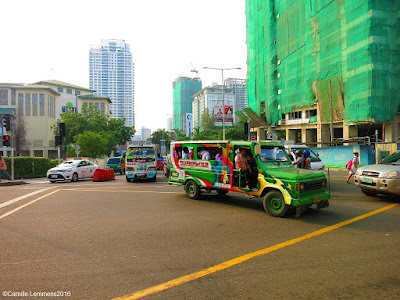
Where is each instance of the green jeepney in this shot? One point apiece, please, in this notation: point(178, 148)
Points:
point(277, 180)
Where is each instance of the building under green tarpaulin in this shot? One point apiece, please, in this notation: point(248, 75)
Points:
point(317, 67)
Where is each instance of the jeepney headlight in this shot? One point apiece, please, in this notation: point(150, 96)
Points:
point(392, 175)
point(301, 186)
point(324, 183)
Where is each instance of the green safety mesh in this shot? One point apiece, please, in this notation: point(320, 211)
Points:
point(183, 90)
point(302, 52)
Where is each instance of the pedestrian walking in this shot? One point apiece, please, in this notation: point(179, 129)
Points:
point(300, 162)
point(3, 168)
point(307, 161)
point(354, 166)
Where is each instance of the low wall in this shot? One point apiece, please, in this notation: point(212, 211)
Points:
point(340, 155)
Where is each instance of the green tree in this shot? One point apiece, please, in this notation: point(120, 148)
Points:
point(207, 120)
point(161, 134)
point(92, 144)
point(90, 119)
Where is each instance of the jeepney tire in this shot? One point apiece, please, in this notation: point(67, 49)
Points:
point(128, 179)
point(153, 179)
point(275, 205)
point(368, 192)
point(74, 177)
point(52, 181)
point(192, 190)
point(222, 192)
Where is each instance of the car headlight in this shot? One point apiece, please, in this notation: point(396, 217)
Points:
point(358, 172)
point(391, 175)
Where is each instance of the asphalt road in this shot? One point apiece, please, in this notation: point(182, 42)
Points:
point(113, 239)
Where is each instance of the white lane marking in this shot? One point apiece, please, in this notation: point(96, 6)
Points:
point(23, 197)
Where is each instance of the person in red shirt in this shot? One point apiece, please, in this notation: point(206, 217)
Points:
point(3, 168)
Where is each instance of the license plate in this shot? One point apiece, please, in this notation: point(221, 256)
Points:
point(140, 174)
point(53, 176)
point(316, 200)
point(366, 180)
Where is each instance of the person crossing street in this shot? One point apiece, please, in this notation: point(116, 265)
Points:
point(3, 168)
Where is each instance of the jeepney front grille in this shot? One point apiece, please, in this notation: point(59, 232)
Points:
point(313, 185)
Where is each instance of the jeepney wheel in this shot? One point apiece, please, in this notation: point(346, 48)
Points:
point(368, 192)
point(275, 205)
point(153, 179)
point(128, 179)
point(192, 190)
point(222, 192)
point(74, 177)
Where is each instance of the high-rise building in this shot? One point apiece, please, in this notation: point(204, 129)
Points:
point(325, 73)
point(183, 90)
point(145, 133)
point(111, 73)
point(239, 90)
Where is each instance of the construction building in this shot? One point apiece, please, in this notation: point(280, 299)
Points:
point(183, 90)
point(325, 72)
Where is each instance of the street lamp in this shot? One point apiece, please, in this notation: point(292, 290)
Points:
point(223, 98)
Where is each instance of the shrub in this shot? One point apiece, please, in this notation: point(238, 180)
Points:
point(29, 167)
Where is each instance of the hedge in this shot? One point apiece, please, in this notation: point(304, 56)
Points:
point(29, 167)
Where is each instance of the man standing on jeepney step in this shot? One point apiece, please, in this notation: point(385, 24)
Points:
point(243, 165)
point(3, 168)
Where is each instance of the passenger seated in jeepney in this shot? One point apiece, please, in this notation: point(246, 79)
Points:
point(242, 164)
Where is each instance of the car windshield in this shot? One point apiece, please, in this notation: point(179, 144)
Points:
point(393, 159)
point(114, 161)
point(273, 154)
point(68, 164)
point(313, 156)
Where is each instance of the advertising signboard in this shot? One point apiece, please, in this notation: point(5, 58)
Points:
point(218, 115)
point(189, 124)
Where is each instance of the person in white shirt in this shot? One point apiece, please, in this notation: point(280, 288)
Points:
point(354, 166)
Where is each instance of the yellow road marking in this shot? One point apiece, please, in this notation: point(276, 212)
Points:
point(241, 259)
point(27, 204)
point(119, 191)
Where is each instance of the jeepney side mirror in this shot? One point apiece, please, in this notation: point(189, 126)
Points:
point(257, 149)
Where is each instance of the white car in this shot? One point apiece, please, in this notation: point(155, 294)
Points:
point(316, 162)
point(71, 170)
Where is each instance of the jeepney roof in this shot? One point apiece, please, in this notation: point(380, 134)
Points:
point(239, 143)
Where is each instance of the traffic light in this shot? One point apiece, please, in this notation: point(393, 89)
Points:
point(246, 128)
point(7, 122)
point(58, 140)
point(6, 141)
point(61, 129)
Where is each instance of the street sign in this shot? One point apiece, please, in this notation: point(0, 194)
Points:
point(253, 138)
point(77, 149)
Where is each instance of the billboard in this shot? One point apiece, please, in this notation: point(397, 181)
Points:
point(189, 124)
point(219, 115)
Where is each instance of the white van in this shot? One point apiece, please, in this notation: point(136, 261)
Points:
point(316, 162)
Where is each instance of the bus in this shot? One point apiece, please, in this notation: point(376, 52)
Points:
point(276, 180)
point(140, 162)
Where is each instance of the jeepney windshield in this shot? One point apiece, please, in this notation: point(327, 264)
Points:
point(273, 154)
point(141, 153)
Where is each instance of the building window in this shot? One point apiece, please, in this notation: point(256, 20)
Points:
point(96, 104)
point(41, 104)
point(20, 104)
point(3, 97)
point(69, 91)
point(102, 108)
point(60, 90)
point(77, 92)
point(295, 115)
point(311, 113)
point(34, 105)
point(13, 98)
point(27, 104)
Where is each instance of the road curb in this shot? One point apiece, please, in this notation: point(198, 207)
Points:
point(9, 183)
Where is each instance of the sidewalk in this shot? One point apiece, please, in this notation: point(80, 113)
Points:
point(6, 182)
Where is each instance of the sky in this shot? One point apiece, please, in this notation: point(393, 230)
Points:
point(50, 39)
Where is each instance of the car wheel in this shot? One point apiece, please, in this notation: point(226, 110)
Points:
point(368, 192)
point(74, 177)
point(274, 204)
point(192, 190)
point(52, 181)
point(222, 192)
